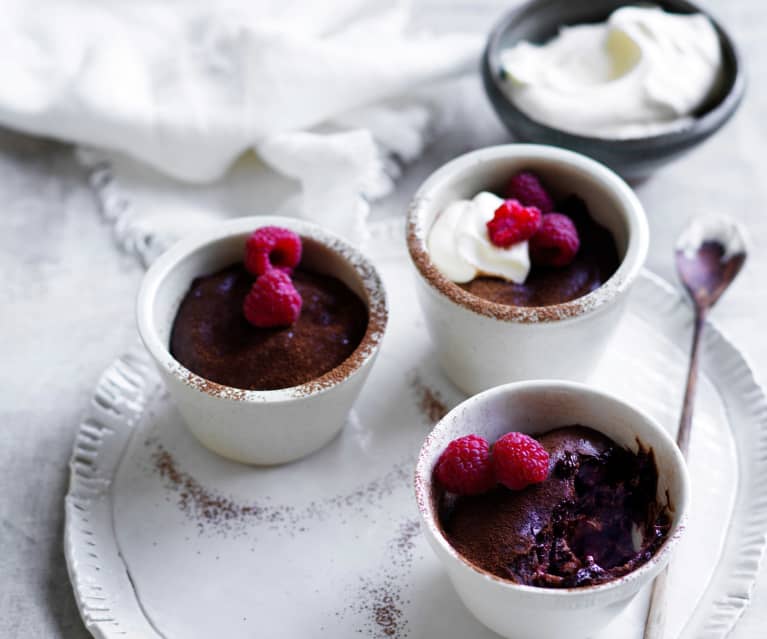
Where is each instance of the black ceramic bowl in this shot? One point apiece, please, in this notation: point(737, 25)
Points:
point(540, 20)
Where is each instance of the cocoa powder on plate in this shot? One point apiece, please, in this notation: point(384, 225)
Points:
point(430, 402)
point(215, 513)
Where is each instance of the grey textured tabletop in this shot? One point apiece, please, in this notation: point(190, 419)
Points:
point(68, 297)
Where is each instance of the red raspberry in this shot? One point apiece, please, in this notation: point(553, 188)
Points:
point(519, 460)
point(465, 466)
point(513, 223)
point(272, 246)
point(527, 188)
point(272, 301)
point(556, 243)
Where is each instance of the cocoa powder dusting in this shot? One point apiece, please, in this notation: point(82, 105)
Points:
point(216, 513)
point(194, 500)
point(404, 543)
point(430, 402)
point(212, 337)
point(387, 614)
point(379, 600)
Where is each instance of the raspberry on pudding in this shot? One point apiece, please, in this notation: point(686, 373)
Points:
point(525, 249)
point(569, 508)
point(268, 322)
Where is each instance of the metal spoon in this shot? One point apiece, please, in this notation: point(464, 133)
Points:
point(709, 254)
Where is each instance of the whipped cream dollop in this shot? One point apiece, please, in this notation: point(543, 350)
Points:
point(460, 247)
point(643, 72)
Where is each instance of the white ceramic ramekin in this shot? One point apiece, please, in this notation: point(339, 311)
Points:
point(481, 344)
point(525, 612)
point(259, 427)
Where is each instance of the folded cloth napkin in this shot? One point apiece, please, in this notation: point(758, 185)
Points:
point(174, 97)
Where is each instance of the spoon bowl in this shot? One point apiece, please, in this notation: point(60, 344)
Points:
point(709, 255)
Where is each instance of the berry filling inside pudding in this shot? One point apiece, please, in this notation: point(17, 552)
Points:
point(568, 508)
point(267, 323)
point(523, 249)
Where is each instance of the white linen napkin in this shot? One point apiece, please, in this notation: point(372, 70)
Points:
point(206, 110)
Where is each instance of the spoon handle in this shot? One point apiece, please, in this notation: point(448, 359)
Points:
point(656, 613)
point(685, 421)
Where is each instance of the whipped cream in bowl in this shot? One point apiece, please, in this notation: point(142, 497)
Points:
point(642, 72)
point(634, 87)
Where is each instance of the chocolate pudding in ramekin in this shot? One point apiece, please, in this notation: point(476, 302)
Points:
point(529, 562)
point(482, 342)
point(251, 413)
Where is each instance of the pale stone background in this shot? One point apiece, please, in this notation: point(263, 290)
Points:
point(67, 302)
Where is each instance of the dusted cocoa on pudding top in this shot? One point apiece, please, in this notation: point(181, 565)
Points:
point(212, 337)
point(594, 518)
point(525, 248)
point(594, 263)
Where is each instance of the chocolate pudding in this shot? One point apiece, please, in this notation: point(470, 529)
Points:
point(212, 338)
point(596, 261)
point(594, 519)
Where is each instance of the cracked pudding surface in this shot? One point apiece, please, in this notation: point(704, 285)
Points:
point(594, 519)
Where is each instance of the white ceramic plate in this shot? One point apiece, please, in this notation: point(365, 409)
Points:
point(164, 539)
